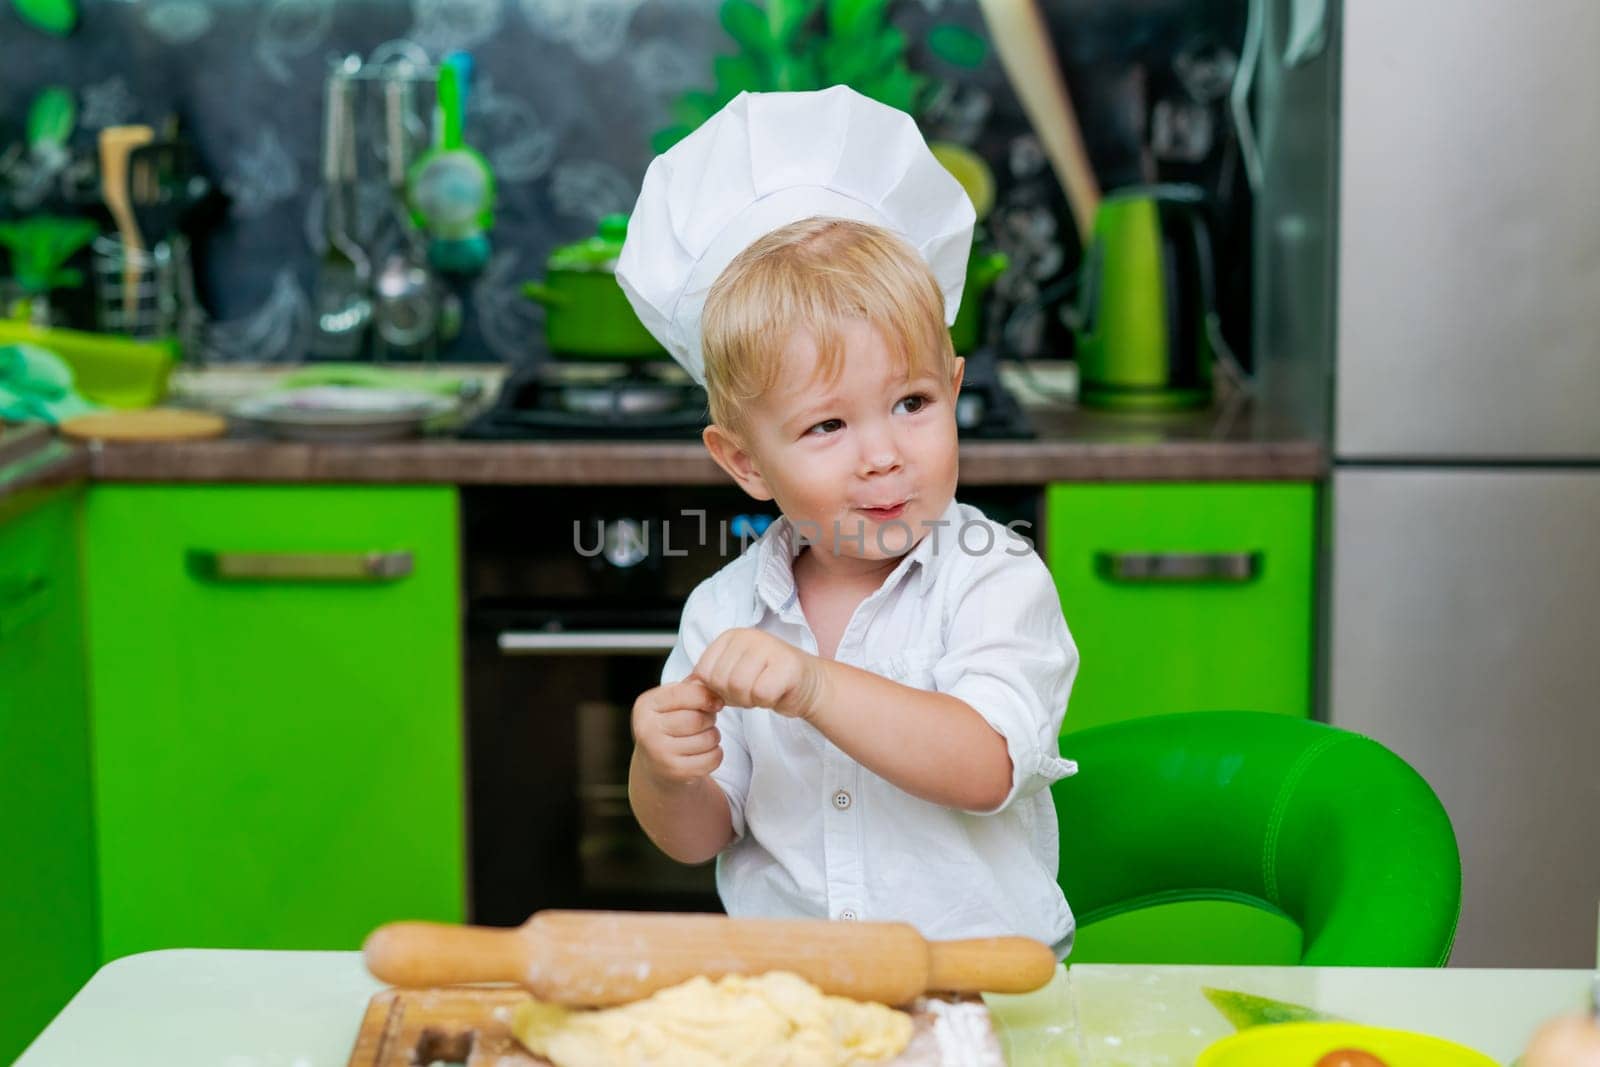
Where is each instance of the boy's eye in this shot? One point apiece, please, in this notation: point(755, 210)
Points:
point(913, 403)
point(827, 426)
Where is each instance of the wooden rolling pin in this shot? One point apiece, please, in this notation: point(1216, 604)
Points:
point(601, 958)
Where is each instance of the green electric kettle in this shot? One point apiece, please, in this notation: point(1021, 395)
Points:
point(1146, 309)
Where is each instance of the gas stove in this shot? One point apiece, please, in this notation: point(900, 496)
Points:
point(554, 400)
point(558, 400)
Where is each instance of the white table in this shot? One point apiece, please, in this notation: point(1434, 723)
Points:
point(212, 1008)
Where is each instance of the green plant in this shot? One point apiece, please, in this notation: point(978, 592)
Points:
point(797, 45)
point(40, 246)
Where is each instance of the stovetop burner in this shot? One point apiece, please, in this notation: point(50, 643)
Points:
point(636, 402)
point(551, 400)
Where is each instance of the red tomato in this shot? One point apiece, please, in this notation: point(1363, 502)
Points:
point(1350, 1057)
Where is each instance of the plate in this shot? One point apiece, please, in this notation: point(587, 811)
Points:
point(1303, 1044)
point(342, 413)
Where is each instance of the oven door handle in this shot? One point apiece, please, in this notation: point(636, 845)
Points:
point(586, 642)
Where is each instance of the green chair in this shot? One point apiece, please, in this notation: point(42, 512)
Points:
point(1324, 827)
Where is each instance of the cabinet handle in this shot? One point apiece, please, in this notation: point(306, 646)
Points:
point(20, 601)
point(592, 642)
point(299, 566)
point(1157, 567)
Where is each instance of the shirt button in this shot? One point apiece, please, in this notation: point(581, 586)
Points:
point(841, 800)
point(847, 915)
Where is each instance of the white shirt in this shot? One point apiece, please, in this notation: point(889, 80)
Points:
point(817, 835)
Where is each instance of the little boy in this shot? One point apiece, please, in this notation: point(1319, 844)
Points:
point(860, 717)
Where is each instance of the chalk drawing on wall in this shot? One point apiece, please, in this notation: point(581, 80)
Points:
point(106, 103)
point(508, 320)
point(291, 30)
point(278, 331)
point(262, 175)
point(1029, 236)
point(520, 146)
point(443, 26)
point(178, 22)
point(590, 190)
point(664, 68)
point(595, 29)
point(957, 113)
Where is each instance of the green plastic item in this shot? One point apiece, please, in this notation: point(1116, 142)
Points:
point(982, 270)
point(1245, 1010)
point(278, 763)
point(1145, 304)
point(451, 188)
point(368, 376)
point(51, 119)
point(586, 313)
point(56, 17)
point(47, 898)
point(40, 245)
point(1325, 827)
point(35, 385)
point(117, 372)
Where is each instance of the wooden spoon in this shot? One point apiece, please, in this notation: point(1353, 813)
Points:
point(116, 142)
point(1022, 38)
point(603, 958)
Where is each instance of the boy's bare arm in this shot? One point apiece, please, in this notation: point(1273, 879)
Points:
point(689, 821)
point(676, 748)
point(932, 745)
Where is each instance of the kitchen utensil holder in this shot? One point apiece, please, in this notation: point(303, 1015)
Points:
point(164, 304)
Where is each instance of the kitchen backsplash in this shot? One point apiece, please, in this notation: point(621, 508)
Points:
point(566, 97)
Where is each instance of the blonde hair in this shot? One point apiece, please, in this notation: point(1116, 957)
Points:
point(816, 275)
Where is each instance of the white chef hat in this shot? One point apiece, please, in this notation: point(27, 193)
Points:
point(766, 160)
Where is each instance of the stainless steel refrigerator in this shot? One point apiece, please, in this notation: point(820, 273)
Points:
point(1432, 297)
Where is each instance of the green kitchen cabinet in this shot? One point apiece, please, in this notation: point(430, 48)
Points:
point(278, 741)
point(48, 939)
point(1185, 597)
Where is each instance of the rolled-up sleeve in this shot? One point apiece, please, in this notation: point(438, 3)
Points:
point(1008, 653)
point(699, 626)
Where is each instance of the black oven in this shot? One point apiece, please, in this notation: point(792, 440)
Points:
point(573, 599)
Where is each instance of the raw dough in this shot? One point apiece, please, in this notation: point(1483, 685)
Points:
point(775, 1020)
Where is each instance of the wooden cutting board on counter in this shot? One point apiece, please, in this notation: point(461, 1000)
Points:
point(469, 1025)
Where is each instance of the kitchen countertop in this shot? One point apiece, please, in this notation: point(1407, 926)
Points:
point(1231, 441)
point(32, 459)
point(302, 1009)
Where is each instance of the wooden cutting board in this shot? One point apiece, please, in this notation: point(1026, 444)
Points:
point(468, 1025)
point(150, 424)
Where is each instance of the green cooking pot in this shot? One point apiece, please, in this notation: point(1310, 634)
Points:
point(982, 270)
point(586, 314)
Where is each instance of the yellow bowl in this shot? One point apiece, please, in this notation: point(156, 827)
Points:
point(1303, 1044)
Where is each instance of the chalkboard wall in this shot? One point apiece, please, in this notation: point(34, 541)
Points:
point(566, 97)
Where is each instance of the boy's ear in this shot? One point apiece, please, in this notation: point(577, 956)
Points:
point(733, 457)
point(961, 372)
